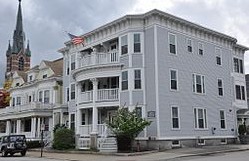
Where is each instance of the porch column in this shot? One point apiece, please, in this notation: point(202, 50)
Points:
point(33, 127)
point(8, 127)
point(18, 126)
point(61, 118)
point(94, 133)
point(95, 110)
point(38, 126)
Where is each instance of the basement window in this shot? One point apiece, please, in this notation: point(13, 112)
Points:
point(200, 142)
point(175, 143)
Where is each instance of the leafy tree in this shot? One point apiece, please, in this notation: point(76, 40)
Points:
point(63, 138)
point(126, 126)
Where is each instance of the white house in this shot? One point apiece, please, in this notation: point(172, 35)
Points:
point(187, 79)
point(36, 97)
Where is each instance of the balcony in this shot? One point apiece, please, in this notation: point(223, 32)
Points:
point(111, 94)
point(33, 106)
point(99, 58)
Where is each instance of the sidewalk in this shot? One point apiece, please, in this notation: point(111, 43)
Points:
point(153, 156)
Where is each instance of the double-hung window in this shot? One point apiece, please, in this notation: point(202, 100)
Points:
point(125, 80)
point(73, 61)
point(68, 95)
point(189, 45)
point(200, 115)
point(222, 119)
point(46, 96)
point(124, 45)
point(18, 100)
point(238, 65)
point(218, 56)
point(137, 79)
point(198, 83)
point(72, 91)
point(172, 44)
point(40, 96)
point(200, 48)
point(72, 122)
point(137, 43)
point(175, 117)
point(138, 112)
point(240, 92)
point(173, 80)
point(220, 87)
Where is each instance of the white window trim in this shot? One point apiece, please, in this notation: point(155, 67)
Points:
point(223, 143)
point(203, 87)
point(204, 141)
point(169, 43)
point(141, 43)
point(127, 80)
point(219, 55)
point(70, 64)
point(221, 86)
point(133, 78)
point(179, 120)
point(71, 92)
point(128, 45)
point(177, 85)
point(197, 126)
point(240, 84)
point(225, 118)
point(243, 64)
point(199, 48)
point(191, 45)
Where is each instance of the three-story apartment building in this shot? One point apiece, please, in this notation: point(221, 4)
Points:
point(35, 105)
point(187, 79)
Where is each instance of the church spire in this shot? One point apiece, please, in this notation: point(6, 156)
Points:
point(19, 36)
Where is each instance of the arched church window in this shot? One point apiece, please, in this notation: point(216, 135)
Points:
point(21, 64)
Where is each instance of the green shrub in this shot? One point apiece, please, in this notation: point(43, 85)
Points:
point(63, 139)
point(242, 129)
point(33, 144)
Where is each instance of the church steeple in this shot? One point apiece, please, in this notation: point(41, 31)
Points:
point(19, 35)
point(18, 58)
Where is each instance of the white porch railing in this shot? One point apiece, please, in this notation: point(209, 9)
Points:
point(107, 94)
point(86, 96)
point(99, 58)
point(85, 130)
point(103, 130)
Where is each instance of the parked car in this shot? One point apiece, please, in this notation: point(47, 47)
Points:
point(12, 144)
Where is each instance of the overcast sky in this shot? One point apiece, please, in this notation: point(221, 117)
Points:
point(46, 20)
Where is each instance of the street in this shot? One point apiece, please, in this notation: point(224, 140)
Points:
point(232, 156)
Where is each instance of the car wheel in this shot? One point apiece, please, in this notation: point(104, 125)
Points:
point(4, 152)
point(11, 154)
point(23, 153)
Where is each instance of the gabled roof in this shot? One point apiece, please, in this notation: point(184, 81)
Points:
point(56, 66)
point(23, 75)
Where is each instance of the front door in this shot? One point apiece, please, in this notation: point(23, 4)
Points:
point(111, 115)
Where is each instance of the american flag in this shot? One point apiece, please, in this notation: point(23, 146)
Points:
point(76, 39)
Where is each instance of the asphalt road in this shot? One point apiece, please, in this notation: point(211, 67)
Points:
point(233, 156)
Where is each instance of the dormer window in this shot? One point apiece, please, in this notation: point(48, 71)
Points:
point(44, 76)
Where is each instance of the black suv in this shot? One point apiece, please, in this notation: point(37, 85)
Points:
point(12, 144)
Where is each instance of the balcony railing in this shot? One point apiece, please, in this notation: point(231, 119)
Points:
point(86, 96)
point(103, 130)
point(102, 95)
point(107, 94)
point(97, 58)
point(26, 107)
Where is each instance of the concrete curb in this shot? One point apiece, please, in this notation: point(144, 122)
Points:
point(95, 153)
